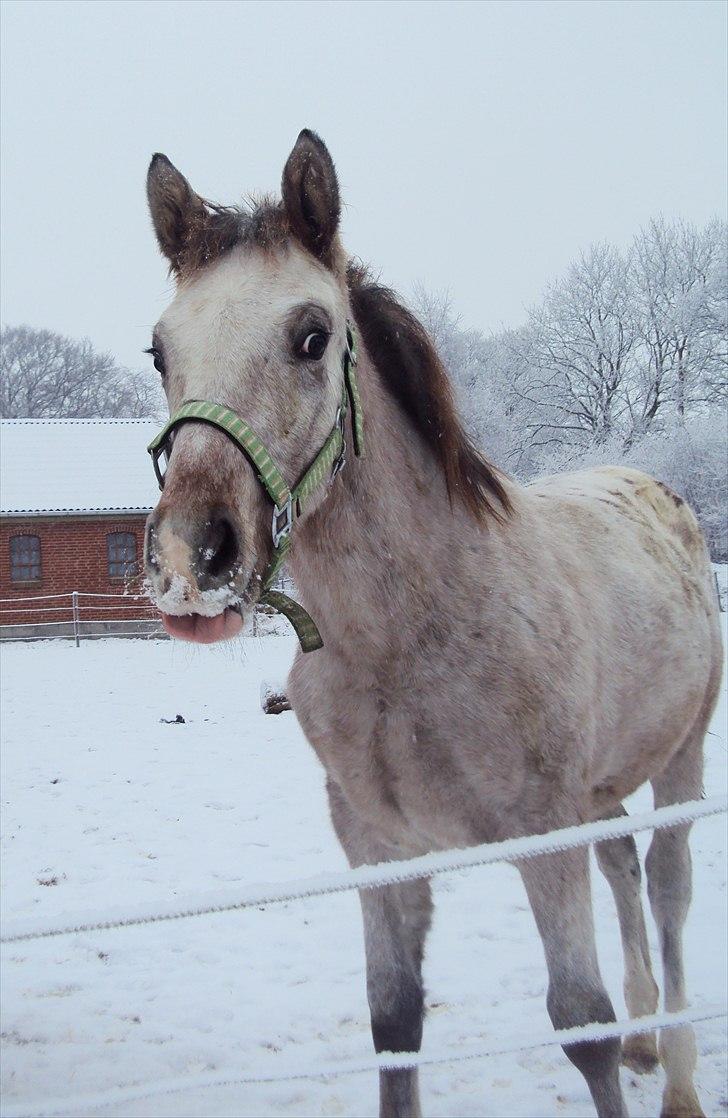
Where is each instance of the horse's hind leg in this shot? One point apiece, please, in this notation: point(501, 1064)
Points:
point(560, 896)
point(396, 922)
point(669, 886)
point(619, 862)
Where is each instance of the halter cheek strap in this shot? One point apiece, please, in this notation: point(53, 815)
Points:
point(288, 504)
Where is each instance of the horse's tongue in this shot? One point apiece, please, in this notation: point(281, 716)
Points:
point(203, 630)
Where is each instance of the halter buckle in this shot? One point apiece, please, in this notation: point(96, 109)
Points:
point(341, 460)
point(281, 530)
point(339, 463)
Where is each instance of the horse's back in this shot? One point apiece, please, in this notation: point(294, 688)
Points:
point(637, 546)
point(652, 518)
point(654, 500)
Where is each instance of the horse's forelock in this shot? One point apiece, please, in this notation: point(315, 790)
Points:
point(218, 229)
point(263, 224)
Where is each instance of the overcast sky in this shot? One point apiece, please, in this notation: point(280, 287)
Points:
point(479, 145)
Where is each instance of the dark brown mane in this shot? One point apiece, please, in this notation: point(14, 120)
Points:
point(407, 359)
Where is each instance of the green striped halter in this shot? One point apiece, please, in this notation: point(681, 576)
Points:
point(288, 504)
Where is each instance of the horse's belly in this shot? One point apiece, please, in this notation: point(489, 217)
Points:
point(653, 719)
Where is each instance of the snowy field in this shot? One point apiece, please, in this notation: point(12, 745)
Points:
point(105, 802)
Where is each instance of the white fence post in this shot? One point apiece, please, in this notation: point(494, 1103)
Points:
point(76, 617)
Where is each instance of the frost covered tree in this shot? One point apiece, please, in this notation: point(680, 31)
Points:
point(581, 347)
point(44, 375)
point(678, 277)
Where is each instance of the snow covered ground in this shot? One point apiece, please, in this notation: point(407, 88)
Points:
point(105, 802)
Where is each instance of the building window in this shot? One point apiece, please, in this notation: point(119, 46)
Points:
point(121, 552)
point(25, 558)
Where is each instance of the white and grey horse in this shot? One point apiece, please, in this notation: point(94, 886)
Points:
point(496, 660)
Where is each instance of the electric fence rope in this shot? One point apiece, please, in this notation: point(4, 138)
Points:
point(372, 877)
point(386, 1061)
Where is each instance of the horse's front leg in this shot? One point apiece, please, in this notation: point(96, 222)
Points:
point(396, 920)
point(559, 891)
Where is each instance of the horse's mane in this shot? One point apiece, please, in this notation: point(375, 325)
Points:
point(410, 367)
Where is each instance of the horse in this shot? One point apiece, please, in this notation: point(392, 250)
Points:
point(480, 659)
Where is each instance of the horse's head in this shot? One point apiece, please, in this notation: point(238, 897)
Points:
point(259, 325)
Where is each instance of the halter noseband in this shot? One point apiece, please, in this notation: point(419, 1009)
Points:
point(288, 504)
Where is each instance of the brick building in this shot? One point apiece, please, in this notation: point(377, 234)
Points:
point(74, 497)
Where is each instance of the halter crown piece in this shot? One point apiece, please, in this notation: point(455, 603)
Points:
point(288, 503)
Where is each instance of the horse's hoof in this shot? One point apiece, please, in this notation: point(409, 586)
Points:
point(639, 1053)
point(681, 1104)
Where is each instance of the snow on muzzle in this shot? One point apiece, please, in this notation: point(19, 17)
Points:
point(193, 568)
point(194, 549)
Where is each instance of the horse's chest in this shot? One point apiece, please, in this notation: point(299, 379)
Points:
point(392, 769)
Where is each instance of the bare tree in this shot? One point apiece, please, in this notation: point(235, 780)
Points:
point(678, 277)
point(45, 375)
point(581, 349)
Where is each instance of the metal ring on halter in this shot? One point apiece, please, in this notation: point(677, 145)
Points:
point(166, 450)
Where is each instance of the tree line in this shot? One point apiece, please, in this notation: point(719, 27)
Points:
point(45, 375)
point(623, 360)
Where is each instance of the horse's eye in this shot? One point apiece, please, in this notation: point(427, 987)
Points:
point(314, 346)
point(158, 359)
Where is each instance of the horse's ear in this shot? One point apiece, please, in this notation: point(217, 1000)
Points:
point(177, 212)
point(311, 194)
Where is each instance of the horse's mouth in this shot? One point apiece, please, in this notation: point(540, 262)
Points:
point(200, 629)
point(201, 616)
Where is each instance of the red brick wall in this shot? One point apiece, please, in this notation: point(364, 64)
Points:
point(73, 557)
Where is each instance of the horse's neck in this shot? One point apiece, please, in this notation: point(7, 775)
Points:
point(384, 547)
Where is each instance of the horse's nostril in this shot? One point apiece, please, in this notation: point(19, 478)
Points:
point(219, 548)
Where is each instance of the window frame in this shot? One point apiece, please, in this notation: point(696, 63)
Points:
point(29, 565)
point(118, 559)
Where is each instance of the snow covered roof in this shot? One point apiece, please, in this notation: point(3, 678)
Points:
point(59, 466)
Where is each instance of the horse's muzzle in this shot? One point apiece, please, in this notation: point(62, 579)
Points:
point(193, 569)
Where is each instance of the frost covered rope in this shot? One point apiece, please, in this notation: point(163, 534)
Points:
point(386, 873)
point(34, 598)
point(385, 1061)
